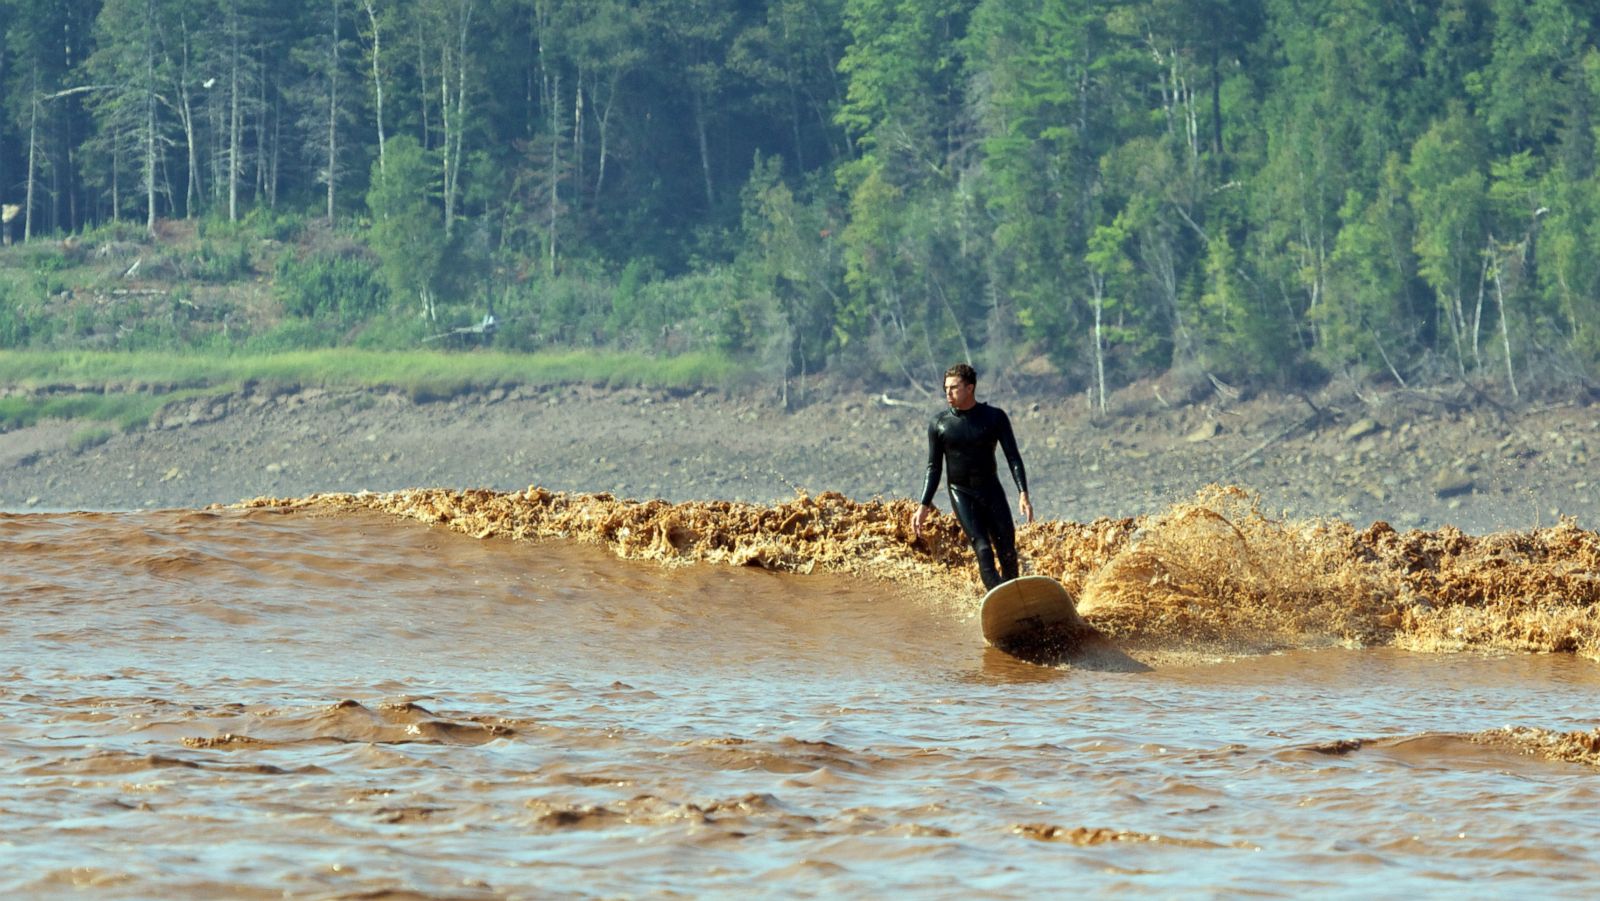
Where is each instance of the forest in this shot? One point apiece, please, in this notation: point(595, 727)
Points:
point(1263, 192)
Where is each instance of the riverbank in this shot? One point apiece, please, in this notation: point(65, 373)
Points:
point(1412, 458)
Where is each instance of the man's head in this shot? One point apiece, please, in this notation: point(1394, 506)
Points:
point(961, 386)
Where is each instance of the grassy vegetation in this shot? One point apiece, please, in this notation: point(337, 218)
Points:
point(128, 388)
point(344, 367)
point(108, 327)
point(126, 411)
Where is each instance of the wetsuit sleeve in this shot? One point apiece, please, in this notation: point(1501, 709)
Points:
point(935, 463)
point(1008, 445)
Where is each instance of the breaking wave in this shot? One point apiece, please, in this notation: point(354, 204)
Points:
point(1216, 574)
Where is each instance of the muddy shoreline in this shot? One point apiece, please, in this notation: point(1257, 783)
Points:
point(1414, 459)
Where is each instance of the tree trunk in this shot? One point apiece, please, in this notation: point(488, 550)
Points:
point(422, 79)
point(577, 143)
point(461, 102)
point(333, 110)
point(453, 109)
point(1505, 330)
point(377, 75)
point(191, 187)
point(150, 119)
point(33, 158)
point(605, 121)
point(271, 148)
point(235, 126)
point(1216, 99)
point(555, 180)
point(263, 163)
point(218, 155)
point(705, 149)
point(1477, 315)
point(1097, 285)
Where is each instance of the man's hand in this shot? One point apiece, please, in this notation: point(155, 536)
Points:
point(1026, 506)
point(918, 518)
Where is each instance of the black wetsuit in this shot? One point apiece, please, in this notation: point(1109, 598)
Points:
point(963, 441)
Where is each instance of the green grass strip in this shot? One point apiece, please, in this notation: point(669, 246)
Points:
point(430, 371)
point(127, 411)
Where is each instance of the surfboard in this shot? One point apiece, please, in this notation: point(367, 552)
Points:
point(1027, 609)
point(1035, 619)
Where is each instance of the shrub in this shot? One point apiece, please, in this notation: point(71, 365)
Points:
point(117, 232)
point(389, 331)
point(92, 436)
point(345, 286)
point(292, 334)
point(218, 261)
point(275, 225)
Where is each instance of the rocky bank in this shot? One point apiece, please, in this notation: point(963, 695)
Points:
point(1411, 458)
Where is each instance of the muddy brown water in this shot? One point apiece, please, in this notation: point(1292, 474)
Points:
point(338, 702)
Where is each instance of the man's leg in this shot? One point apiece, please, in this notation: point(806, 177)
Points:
point(970, 512)
point(1005, 544)
point(996, 513)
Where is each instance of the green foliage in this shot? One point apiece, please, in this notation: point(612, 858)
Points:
point(1246, 187)
point(697, 312)
point(345, 287)
point(407, 233)
point(89, 437)
point(170, 376)
point(23, 321)
point(112, 231)
point(793, 261)
point(258, 224)
point(291, 335)
point(391, 332)
point(1571, 273)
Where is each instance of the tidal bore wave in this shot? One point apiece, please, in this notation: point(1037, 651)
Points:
point(470, 694)
point(1215, 575)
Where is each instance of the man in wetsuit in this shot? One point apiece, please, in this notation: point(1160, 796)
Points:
point(962, 439)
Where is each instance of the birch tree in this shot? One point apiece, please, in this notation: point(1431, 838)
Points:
point(126, 64)
point(325, 96)
point(377, 22)
point(451, 43)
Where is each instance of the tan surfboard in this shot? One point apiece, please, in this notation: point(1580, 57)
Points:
point(1036, 619)
point(1027, 608)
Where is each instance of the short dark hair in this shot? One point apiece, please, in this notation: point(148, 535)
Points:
point(964, 372)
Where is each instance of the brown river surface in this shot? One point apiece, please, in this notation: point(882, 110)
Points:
point(469, 696)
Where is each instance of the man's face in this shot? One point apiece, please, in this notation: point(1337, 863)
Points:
point(959, 393)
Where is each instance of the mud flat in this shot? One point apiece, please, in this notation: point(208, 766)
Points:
point(1414, 459)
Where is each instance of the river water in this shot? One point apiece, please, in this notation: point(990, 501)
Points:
point(325, 701)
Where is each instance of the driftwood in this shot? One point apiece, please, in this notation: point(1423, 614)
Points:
point(117, 295)
point(1317, 414)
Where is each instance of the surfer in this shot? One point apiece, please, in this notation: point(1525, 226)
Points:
point(962, 439)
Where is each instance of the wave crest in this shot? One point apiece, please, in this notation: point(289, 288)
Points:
point(1215, 574)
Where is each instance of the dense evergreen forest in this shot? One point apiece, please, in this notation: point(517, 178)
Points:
point(1270, 192)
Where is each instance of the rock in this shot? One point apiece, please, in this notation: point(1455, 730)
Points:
point(1361, 428)
point(1207, 431)
point(1451, 483)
